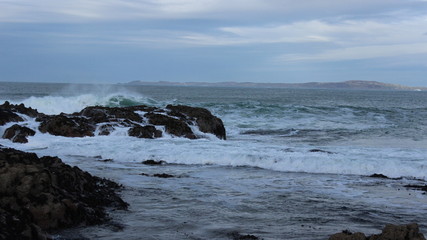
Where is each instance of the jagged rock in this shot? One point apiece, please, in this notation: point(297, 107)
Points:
point(106, 129)
point(153, 162)
point(39, 194)
point(390, 232)
point(399, 232)
point(346, 235)
point(9, 116)
point(99, 114)
point(67, 126)
point(18, 133)
point(206, 122)
point(238, 236)
point(144, 132)
point(172, 125)
point(20, 109)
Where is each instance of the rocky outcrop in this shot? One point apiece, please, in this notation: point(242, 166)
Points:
point(41, 194)
point(141, 120)
point(67, 126)
point(390, 232)
point(18, 133)
point(207, 122)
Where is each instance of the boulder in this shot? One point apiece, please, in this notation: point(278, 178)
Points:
point(144, 132)
point(99, 114)
point(399, 232)
point(9, 116)
point(172, 125)
point(67, 126)
point(18, 133)
point(20, 109)
point(41, 194)
point(204, 119)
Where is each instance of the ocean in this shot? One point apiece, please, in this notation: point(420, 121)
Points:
point(295, 165)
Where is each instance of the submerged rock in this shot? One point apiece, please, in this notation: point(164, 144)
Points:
point(18, 133)
point(41, 194)
point(390, 232)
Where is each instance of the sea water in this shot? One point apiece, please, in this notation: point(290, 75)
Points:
point(295, 164)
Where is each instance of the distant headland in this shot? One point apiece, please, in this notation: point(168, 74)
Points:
point(353, 84)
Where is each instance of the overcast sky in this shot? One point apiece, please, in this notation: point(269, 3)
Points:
point(112, 41)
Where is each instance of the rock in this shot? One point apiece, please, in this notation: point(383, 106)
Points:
point(153, 162)
point(399, 232)
point(320, 151)
point(20, 109)
point(105, 130)
point(206, 122)
point(144, 132)
point(40, 194)
point(238, 236)
point(18, 133)
point(9, 116)
point(99, 114)
point(172, 125)
point(67, 126)
point(390, 232)
point(417, 187)
point(346, 235)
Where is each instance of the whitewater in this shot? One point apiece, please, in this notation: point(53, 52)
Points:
point(295, 165)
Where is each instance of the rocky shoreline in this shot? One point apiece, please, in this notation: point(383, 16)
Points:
point(44, 194)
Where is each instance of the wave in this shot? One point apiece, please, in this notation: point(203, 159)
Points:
point(71, 104)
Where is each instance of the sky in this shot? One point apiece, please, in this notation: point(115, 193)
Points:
point(272, 41)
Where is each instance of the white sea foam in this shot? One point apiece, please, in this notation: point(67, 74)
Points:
point(70, 104)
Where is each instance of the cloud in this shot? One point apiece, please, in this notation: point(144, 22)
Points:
point(357, 53)
point(107, 10)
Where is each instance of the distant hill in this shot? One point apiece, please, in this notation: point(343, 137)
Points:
point(353, 84)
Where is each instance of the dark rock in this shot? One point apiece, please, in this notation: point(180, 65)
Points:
point(67, 126)
point(153, 162)
point(39, 194)
point(144, 132)
point(105, 129)
point(206, 122)
point(159, 175)
point(99, 114)
point(172, 125)
point(417, 187)
point(20, 109)
point(9, 116)
point(346, 235)
point(320, 151)
point(18, 133)
point(238, 236)
point(399, 232)
point(378, 175)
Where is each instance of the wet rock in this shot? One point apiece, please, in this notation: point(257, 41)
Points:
point(382, 176)
point(20, 109)
point(40, 194)
point(206, 122)
point(172, 125)
point(67, 126)
point(320, 151)
point(153, 162)
point(9, 116)
point(18, 133)
point(390, 232)
point(417, 187)
point(399, 232)
point(346, 235)
point(159, 175)
point(238, 236)
point(105, 130)
point(99, 114)
point(145, 132)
